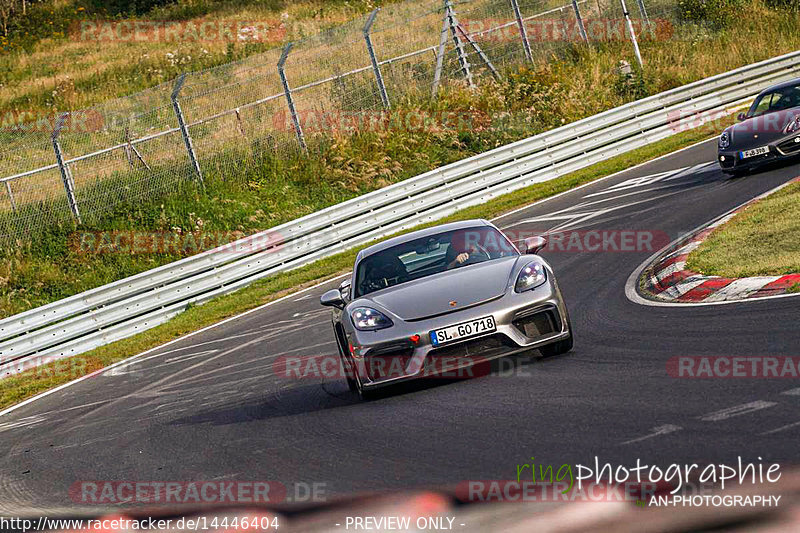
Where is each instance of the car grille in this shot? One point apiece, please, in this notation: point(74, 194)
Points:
point(483, 346)
point(388, 363)
point(789, 147)
point(538, 323)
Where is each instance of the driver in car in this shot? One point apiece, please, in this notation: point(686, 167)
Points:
point(462, 247)
point(462, 257)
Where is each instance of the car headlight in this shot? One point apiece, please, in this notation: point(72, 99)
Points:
point(530, 277)
point(725, 140)
point(794, 125)
point(368, 319)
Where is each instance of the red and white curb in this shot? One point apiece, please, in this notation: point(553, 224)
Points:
point(668, 280)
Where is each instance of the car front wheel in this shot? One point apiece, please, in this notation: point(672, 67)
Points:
point(557, 348)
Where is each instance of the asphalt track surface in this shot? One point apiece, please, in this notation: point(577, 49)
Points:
point(212, 407)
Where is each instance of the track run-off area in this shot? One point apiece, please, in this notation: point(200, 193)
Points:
point(216, 406)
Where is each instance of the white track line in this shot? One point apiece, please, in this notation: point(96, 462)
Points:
point(599, 180)
point(191, 334)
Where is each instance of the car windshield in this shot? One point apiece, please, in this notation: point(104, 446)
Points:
point(777, 100)
point(430, 255)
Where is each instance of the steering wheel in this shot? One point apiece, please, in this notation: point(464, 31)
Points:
point(475, 256)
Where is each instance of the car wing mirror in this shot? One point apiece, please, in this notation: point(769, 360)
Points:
point(742, 117)
point(344, 289)
point(533, 245)
point(332, 298)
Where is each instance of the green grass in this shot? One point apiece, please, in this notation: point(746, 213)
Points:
point(17, 388)
point(761, 240)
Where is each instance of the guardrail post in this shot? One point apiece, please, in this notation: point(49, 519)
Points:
point(526, 45)
point(375, 66)
point(462, 54)
point(632, 34)
point(579, 18)
point(66, 175)
point(643, 11)
point(289, 101)
point(187, 139)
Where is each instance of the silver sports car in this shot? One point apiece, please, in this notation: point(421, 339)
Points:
point(442, 299)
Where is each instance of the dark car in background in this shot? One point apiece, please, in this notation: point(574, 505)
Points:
point(769, 131)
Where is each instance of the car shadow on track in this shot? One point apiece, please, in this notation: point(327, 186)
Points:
point(306, 398)
point(316, 397)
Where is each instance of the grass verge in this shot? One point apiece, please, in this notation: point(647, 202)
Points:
point(252, 185)
point(761, 240)
point(17, 388)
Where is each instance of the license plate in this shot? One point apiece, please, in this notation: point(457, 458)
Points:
point(754, 152)
point(463, 330)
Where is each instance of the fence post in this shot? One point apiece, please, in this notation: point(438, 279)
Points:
point(478, 50)
point(579, 18)
point(462, 54)
point(437, 74)
point(66, 175)
point(11, 196)
point(643, 11)
point(375, 66)
point(522, 31)
point(289, 101)
point(187, 140)
point(632, 33)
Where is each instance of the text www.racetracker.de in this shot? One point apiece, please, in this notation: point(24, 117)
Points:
point(200, 523)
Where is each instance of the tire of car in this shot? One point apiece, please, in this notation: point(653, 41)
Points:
point(346, 367)
point(735, 173)
point(367, 394)
point(348, 375)
point(557, 348)
point(560, 347)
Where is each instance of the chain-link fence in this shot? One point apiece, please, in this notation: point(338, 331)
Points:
point(78, 167)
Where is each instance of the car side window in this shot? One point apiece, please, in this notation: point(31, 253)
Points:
point(765, 104)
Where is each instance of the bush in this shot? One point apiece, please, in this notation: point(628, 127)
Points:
point(126, 7)
point(715, 13)
point(783, 4)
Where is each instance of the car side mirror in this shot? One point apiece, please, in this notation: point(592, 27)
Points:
point(344, 289)
point(332, 298)
point(533, 245)
point(742, 117)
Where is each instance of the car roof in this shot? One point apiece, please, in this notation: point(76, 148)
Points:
point(791, 83)
point(434, 230)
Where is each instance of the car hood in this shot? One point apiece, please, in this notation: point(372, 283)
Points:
point(761, 131)
point(434, 295)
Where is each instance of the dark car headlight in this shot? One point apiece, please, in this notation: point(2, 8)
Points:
point(725, 140)
point(530, 277)
point(793, 126)
point(368, 319)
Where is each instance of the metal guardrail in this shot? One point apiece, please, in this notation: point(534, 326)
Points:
point(126, 307)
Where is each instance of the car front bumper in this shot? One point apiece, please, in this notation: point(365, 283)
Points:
point(784, 149)
point(524, 321)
